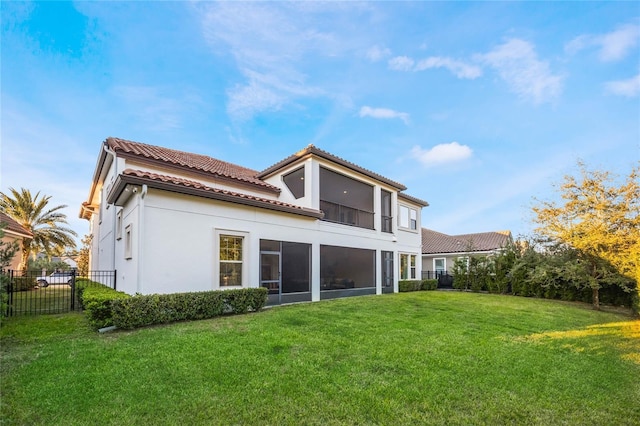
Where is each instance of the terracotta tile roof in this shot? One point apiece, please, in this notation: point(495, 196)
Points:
point(13, 225)
point(186, 186)
point(312, 150)
point(436, 242)
point(196, 162)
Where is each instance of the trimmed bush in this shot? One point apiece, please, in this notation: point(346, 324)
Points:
point(23, 283)
point(97, 302)
point(144, 310)
point(416, 285)
point(409, 285)
point(4, 297)
point(429, 285)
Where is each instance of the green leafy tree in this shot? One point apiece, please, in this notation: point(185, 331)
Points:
point(83, 256)
point(601, 222)
point(45, 223)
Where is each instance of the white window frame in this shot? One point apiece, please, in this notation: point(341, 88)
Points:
point(245, 258)
point(412, 268)
point(413, 261)
point(466, 259)
point(407, 217)
point(444, 263)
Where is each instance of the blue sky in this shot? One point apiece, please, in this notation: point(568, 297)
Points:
point(476, 107)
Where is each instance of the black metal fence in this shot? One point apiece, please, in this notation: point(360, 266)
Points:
point(43, 292)
point(445, 279)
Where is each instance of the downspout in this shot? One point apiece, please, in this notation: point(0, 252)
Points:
point(113, 222)
point(140, 254)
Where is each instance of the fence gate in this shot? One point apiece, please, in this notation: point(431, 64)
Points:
point(42, 292)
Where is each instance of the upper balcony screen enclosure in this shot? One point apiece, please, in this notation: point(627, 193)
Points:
point(346, 200)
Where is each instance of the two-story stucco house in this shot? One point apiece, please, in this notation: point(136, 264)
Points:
point(311, 227)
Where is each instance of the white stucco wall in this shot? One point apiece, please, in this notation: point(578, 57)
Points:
point(176, 247)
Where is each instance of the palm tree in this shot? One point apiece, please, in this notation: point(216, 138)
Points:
point(43, 222)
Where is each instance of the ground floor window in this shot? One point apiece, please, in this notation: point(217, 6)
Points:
point(439, 265)
point(346, 268)
point(408, 266)
point(231, 260)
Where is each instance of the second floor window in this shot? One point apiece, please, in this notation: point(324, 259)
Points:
point(385, 211)
point(408, 217)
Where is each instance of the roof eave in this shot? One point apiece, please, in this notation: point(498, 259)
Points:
point(98, 175)
point(313, 151)
point(122, 190)
point(413, 199)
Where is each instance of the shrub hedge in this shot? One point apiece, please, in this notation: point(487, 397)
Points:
point(97, 302)
point(23, 283)
point(429, 285)
point(144, 310)
point(416, 285)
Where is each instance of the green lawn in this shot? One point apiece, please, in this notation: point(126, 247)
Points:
point(52, 299)
point(411, 358)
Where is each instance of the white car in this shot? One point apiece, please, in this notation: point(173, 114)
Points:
point(64, 277)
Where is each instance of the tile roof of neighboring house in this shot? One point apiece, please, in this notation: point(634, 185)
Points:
point(312, 150)
point(186, 186)
point(436, 242)
point(13, 226)
point(194, 162)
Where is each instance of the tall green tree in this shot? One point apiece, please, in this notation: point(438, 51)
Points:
point(84, 255)
point(45, 223)
point(600, 220)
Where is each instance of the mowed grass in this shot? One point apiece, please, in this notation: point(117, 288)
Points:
point(412, 358)
point(55, 298)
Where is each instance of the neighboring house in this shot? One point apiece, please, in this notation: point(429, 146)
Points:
point(14, 232)
point(313, 226)
point(440, 251)
point(69, 260)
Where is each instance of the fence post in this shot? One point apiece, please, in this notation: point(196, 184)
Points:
point(115, 275)
point(10, 291)
point(73, 289)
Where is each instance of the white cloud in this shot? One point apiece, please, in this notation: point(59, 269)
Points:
point(629, 88)
point(458, 68)
point(441, 154)
point(612, 46)
point(401, 63)
point(517, 63)
point(377, 53)
point(275, 46)
point(383, 113)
